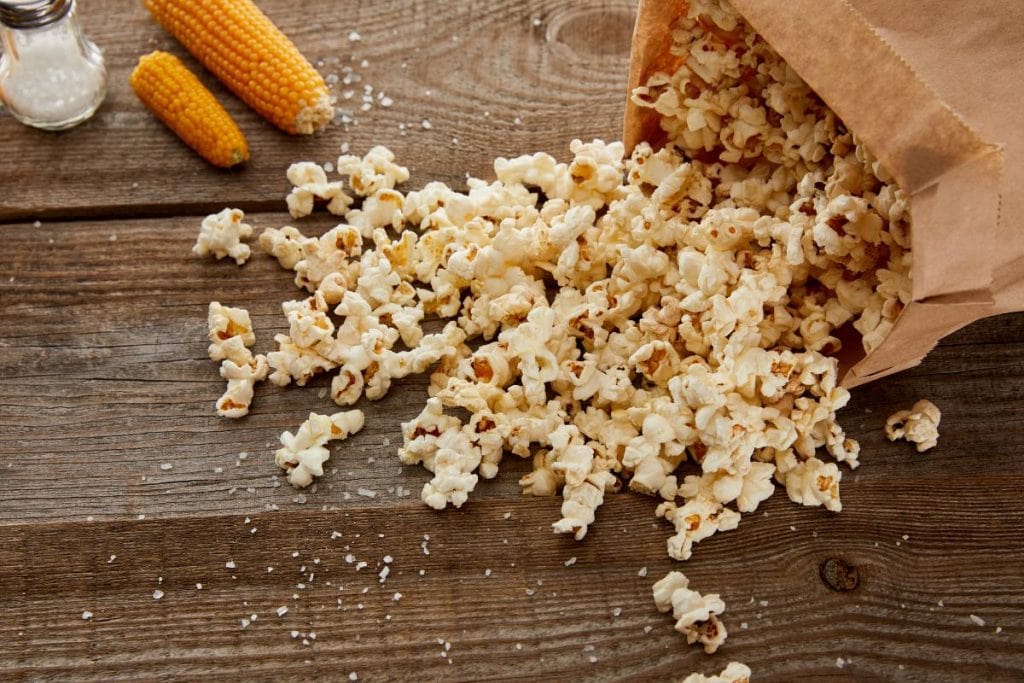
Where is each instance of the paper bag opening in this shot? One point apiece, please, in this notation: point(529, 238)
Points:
point(961, 270)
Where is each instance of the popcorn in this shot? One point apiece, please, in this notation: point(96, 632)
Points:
point(331, 253)
point(698, 519)
point(814, 483)
point(230, 332)
point(223, 234)
point(310, 184)
point(696, 615)
point(628, 315)
point(454, 462)
point(242, 378)
point(919, 425)
point(230, 336)
point(287, 245)
point(375, 171)
point(294, 362)
point(735, 672)
point(582, 501)
point(304, 453)
point(382, 209)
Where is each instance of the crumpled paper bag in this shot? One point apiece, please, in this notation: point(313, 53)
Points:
point(936, 91)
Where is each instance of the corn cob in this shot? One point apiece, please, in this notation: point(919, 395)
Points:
point(176, 96)
point(243, 48)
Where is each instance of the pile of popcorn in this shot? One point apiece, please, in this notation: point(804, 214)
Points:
point(665, 322)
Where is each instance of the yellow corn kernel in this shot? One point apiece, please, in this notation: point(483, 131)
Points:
point(243, 48)
point(176, 96)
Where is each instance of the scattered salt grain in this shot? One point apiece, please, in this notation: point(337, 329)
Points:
point(157, 594)
point(282, 610)
point(86, 615)
point(642, 572)
point(977, 620)
point(230, 564)
point(367, 493)
point(427, 125)
point(354, 37)
point(570, 562)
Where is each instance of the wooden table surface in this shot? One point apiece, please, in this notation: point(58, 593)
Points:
point(104, 381)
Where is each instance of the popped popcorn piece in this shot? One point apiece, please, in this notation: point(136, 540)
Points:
point(582, 501)
point(695, 521)
point(224, 234)
point(287, 245)
point(230, 336)
point(454, 463)
point(919, 425)
point(230, 333)
point(383, 208)
point(309, 181)
point(294, 362)
point(375, 171)
point(304, 453)
point(814, 483)
point(696, 615)
point(734, 672)
point(242, 378)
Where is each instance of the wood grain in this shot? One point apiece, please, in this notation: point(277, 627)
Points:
point(490, 584)
point(104, 378)
point(501, 77)
point(102, 347)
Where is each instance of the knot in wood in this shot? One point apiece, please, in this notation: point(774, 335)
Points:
point(839, 575)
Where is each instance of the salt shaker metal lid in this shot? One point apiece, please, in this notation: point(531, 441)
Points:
point(23, 14)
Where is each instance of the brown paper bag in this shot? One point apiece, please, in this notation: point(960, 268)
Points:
point(934, 89)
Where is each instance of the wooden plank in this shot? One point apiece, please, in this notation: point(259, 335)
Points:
point(499, 592)
point(503, 77)
point(103, 350)
point(105, 378)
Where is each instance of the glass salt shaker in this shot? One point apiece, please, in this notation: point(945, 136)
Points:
point(51, 75)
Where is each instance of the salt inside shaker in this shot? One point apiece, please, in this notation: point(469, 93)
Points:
point(51, 75)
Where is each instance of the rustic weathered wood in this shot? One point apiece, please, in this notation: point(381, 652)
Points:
point(104, 378)
point(492, 585)
point(102, 350)
point(503, 77)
